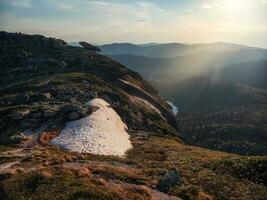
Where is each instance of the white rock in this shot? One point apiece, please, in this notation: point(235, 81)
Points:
point(103, 132)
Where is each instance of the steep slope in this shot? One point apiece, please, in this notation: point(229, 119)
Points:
point(45, 83)
point(220, 115)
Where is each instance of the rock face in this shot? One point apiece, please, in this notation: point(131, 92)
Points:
point(101, 133)
point(171, 178)
point(89, 46)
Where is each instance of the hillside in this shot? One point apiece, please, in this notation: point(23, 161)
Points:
point(220, 115)
point(43, 80)
point(58, 101)
point(200, 93)
point(248, 73)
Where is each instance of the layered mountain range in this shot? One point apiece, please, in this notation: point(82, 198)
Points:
point(205, 80)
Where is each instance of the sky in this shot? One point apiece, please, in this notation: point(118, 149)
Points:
point(140, 21)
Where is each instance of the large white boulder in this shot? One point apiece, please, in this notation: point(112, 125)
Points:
point(103, 132)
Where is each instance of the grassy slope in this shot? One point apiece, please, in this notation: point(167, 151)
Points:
point(221, 175)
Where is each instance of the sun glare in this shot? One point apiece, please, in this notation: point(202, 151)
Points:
point(237, 8)
point(234, 5)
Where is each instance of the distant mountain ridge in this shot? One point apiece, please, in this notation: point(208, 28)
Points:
point(202, 63)
point(168, 50)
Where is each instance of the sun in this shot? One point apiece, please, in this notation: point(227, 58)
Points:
point(234, 5)
point(237, 9)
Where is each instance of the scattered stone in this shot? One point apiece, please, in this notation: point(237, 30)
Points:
point(73, 100)
point(45, 96)
point(172, 178)
point(20, 114)
point(49, 113)
point(15, 139)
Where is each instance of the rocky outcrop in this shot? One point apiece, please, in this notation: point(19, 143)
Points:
point(16, 39)
point(89, 46)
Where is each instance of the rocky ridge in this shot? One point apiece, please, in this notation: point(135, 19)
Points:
point(45, 83)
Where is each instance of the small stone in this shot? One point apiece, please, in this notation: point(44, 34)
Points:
point(45, 96)
point(49, 113)
point(46, 174)
point(20, 114)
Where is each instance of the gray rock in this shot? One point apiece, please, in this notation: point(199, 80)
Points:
point(89, 46)
point(15, 139)
point(45, 96)
point(20, 114)
point(172, 178)
point(49, 113)
point(73, 116)
point(73, 100)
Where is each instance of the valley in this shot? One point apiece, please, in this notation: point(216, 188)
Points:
point(220, 90)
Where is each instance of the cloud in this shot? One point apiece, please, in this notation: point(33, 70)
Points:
point(20, 3)
point(207, 6)
point(66, 7)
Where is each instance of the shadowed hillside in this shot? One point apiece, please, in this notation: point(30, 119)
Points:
point(220, 115)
